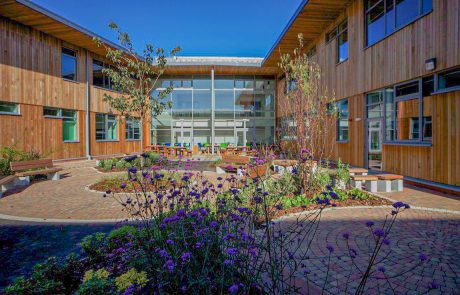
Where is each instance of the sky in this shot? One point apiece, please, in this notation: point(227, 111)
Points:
point(240, 28)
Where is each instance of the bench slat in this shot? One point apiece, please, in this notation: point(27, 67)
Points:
point(389, 177)
point(364, 177)
point(236, 159)
point(7, 179)
point(357, 170)
point(26, 165)
point(38, 172)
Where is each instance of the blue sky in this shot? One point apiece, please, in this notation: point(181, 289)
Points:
point(200, 27)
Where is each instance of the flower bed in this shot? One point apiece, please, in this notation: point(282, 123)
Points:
point(196, 236)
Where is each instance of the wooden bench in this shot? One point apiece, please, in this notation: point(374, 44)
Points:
point(23, 170)
point(357, 171)
point(6, 183)
point(231, 163)
point(390, 182)
point(357, 181)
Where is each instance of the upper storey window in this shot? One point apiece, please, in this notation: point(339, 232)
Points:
point(99, 78)
point(69, 64)
point(341, 33)
point(383, 17)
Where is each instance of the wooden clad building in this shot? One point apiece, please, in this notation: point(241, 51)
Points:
point(393, 66)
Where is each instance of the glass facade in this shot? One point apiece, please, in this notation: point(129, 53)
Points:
point(238, 110)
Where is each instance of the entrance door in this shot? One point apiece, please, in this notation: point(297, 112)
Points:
point(374, 141)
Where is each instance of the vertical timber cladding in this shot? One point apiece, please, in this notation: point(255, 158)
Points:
point(30, 75)
point(397, 58)
point(440, 162)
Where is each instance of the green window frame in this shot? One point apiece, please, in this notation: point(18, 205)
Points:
point(69, 122)
point(133, 129)
point(106, 127)
point(9, 108)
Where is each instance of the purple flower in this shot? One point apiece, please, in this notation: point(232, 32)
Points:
point(386, 242)
point(398, 205)
point(381, 269)
point(423, 257)
point(334, 195)
point(379, 232)
point(186, 256)
point(346, 236)
point(232, 251)
point(132, 170)
point(169, 265)
point(257, 199)
point(123, 186)
point(108, 192)
point(233, 289)
point(228, 262)
point(213, 223)
point(433, 285)
point(369, 223)
point(279, 207)
point(130, 158)
point(306, 272)
point(170, 242)
point(330, 248)
point(145, 155)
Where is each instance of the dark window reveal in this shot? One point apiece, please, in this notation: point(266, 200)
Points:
point(69, 64)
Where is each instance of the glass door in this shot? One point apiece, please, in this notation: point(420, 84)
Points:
point(374, 138)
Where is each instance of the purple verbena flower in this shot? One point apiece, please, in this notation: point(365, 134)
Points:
point(369, 223)
point(233, 289)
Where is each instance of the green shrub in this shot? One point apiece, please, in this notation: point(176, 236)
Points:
point(131, 277)
point(96, 283)
point(50, 277)
point(10, 154)
point(93, 246)
point(356, 193)
point(341, 174)
point(120, 236)
point(107, 165)
point(120, 165)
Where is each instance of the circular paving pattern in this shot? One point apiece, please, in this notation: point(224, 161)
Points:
point(435, 234)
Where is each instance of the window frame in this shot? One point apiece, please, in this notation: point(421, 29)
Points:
point(106, 127)
point(421, 14)
point(104, 76)
point(335, 33)
point(339, 118)
point(63, 118)
point(130, 129)
point(75, 57)
point(17, 105)
point(422, 140)
point(437, 90)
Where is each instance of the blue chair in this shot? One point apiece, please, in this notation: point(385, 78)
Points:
point(167, 144)
point(199, 145)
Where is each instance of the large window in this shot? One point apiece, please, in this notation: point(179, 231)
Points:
point(342, 120)
point(8, 108)
point(132, 129)
point(383, 17)
point(106, 127)
point(407, 112)
point(99, 78)
point(69, 64)
point(69, 122)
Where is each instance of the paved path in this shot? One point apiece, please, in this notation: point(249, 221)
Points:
point(66, 198)
point(435, 234)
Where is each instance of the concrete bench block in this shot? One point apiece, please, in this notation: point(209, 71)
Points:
point(371, 186)
point(220, 170)
point(384, 186)
point(22, 181)
point(53, 176)
point(397, 185)
point(357, 184)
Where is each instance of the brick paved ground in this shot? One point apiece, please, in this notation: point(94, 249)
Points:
point(435, 234)
point(66, 198)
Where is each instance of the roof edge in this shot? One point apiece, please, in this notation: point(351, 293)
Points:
point(67, 22)
point(286, 28)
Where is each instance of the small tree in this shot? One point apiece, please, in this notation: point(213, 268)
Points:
point(306, 110)
point(135, 75)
